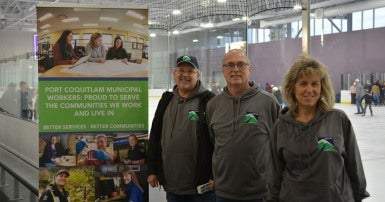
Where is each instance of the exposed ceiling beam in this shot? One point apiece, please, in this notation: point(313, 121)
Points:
point(267, 18)
point(331, 11)
point(19, 21)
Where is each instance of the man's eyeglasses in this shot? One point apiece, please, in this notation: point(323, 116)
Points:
point(240, 65)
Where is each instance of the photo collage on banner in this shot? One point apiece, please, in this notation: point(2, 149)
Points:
point(93, 103)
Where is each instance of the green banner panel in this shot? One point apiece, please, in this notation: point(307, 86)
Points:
point(93, 106)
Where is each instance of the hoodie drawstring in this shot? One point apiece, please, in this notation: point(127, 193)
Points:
point(237, 101)
point(308, 148)
point(308, 151)
point(300, 146)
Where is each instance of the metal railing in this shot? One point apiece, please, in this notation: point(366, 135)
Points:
point(13, 184)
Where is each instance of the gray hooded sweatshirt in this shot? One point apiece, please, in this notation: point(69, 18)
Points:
point(316, 161)
point(241, 127)
point(179, 143)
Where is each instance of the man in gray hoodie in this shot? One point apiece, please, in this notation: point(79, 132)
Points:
point(239, 120)
point(180, 150)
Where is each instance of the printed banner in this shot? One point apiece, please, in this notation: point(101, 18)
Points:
point(93, 106)
point(93, 103)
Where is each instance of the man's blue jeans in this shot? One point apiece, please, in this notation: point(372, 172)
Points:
point(360, 109)
point(376, 98)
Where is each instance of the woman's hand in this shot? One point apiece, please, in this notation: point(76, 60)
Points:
point(125, 61)
point(102, 60)
point(73, 61)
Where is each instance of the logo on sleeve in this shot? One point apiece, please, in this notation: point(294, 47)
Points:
point(325, 143)
point(251, 118)
point(193, 115)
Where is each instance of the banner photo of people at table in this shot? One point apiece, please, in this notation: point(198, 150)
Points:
point(93, 102)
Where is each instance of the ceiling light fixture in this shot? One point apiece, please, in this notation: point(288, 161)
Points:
point(207, 25)
point(176, 12)
point(297, 6)
point(221, 1)
point(108, 19)
point(68, 20)
point(152, 35)
point(45, 26)
point(135, 14)
point(45, 17)
point(195, 40)
point(175, 32)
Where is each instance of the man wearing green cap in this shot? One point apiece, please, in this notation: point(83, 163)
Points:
point(180, 149)
point(55, 191)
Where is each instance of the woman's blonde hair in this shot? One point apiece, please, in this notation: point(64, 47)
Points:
point(94, 36)
point(306, 65)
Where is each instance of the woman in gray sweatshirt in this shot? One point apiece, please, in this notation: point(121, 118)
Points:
point(314, 148)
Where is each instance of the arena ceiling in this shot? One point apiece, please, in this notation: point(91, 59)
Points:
point(21, 14)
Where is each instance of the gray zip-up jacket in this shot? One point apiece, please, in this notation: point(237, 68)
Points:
point(241, 127)
point(316, 161)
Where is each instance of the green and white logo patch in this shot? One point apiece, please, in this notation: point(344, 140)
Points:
point(186, 58)
point(251, 118)
point(326, 144)
point(193, 115)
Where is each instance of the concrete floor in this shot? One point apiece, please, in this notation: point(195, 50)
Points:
point(370, 134)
